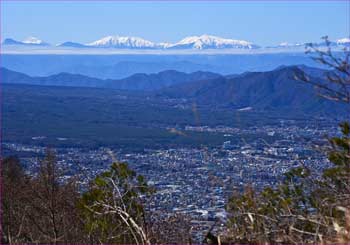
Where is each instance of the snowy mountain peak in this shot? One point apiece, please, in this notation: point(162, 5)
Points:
point(344, 41)
point(122, 42)
point(32, 40)
point(212, 42)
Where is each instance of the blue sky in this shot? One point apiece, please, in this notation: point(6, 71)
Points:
point(262, 22)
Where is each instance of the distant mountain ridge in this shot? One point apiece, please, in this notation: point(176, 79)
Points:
point(122, 66)
point(211, 42)
point(274, 90)
point(203, 42)
point(139, 81)
point(123, 42)
point(30, 41)
point(72, 45)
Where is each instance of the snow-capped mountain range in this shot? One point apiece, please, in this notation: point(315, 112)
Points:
point(211, 42)
point(203, 42)
point(123, 42)
point(193, 42)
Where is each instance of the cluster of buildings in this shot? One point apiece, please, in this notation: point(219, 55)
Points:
point(197, 182)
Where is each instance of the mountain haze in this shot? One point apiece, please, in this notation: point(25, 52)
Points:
point(139, 81)
point(276, 90)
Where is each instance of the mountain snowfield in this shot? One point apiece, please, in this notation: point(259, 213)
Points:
point(28, 41)
point(212, 42)
point(33, 40)
point(344, 41)
point(193, 42)
point(123, 42)
point(203, 42)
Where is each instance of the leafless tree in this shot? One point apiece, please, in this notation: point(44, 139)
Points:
point(41, 208)
point(336, 86)
point(116, 207)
